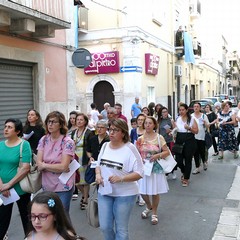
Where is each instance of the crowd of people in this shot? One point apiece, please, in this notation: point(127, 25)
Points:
point(124, 161)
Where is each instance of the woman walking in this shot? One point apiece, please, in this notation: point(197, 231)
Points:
point(227, 137)
point(186, 128)
point(152, 146)
point(166, 125)
point(212, 117)
point(203, 124)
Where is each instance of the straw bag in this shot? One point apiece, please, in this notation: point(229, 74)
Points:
point(32, 182)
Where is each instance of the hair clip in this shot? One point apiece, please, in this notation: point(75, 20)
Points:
point(51, 202)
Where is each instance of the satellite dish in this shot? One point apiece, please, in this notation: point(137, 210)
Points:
point(81, 58)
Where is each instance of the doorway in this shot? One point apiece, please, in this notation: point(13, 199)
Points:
point(103, 92)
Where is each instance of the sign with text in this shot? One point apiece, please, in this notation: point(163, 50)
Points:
point(105, 62)
point(151, 64)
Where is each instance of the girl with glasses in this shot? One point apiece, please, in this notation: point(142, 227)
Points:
point(48, 219)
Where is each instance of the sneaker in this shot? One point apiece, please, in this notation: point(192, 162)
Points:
point(174, 176)
point(74, 197)
point(196, 171)
point(205, 165)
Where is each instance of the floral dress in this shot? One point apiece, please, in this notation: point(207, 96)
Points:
point(79, 142)
point(156, 183)
point(227, 137)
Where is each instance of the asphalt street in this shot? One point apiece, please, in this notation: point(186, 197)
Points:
point(185, 213)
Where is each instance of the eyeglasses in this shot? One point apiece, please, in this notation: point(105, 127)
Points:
point(100, 127)
point(41, 217)
point(52, 122)
point(114, 130)
point(110, 113)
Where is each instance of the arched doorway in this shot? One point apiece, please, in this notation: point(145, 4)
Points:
point(103, 92)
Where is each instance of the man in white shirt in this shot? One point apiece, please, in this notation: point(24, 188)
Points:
point(94, 113)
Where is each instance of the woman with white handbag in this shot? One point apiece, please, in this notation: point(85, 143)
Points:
point(152, 147)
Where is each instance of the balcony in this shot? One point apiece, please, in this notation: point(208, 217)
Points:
point(82, 19)
point(197, 49)
point(195, 9)
point(32, 17)
point(179, 46)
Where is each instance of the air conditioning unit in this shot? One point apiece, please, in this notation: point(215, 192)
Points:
point(178, 70)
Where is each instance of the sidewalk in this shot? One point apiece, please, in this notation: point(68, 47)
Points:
point(228, 227)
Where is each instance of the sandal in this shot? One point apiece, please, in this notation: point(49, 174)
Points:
point(83, 205)
point(220, 157)
point(185, 183)
point(154, 219)
point(215, 154)
point(145, 213)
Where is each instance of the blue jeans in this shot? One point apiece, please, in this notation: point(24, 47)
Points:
point(66, 198)
point(118, 210)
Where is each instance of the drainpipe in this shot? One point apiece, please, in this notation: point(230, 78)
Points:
point(76, 26)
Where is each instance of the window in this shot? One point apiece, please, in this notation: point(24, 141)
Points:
point(150, 94)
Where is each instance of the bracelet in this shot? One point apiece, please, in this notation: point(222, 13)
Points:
point(160, 155)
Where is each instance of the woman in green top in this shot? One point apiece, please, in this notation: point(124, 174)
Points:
point(9, 174)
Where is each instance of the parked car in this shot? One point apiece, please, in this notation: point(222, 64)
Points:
point(234, 100)
point(214, 99)
point(203, 103)
point(224, 97)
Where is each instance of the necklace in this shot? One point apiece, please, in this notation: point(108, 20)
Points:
point(79, 134)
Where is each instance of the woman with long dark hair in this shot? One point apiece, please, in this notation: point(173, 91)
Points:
point(203, 124)
point(186, 129)
point(33, 129)
point(48, 219)
point(212, 117)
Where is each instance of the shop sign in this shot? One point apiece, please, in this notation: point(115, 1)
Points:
point(105, 62)
point(151, 64)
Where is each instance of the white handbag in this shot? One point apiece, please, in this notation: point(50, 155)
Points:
point(32, 182)
point(167, 163)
